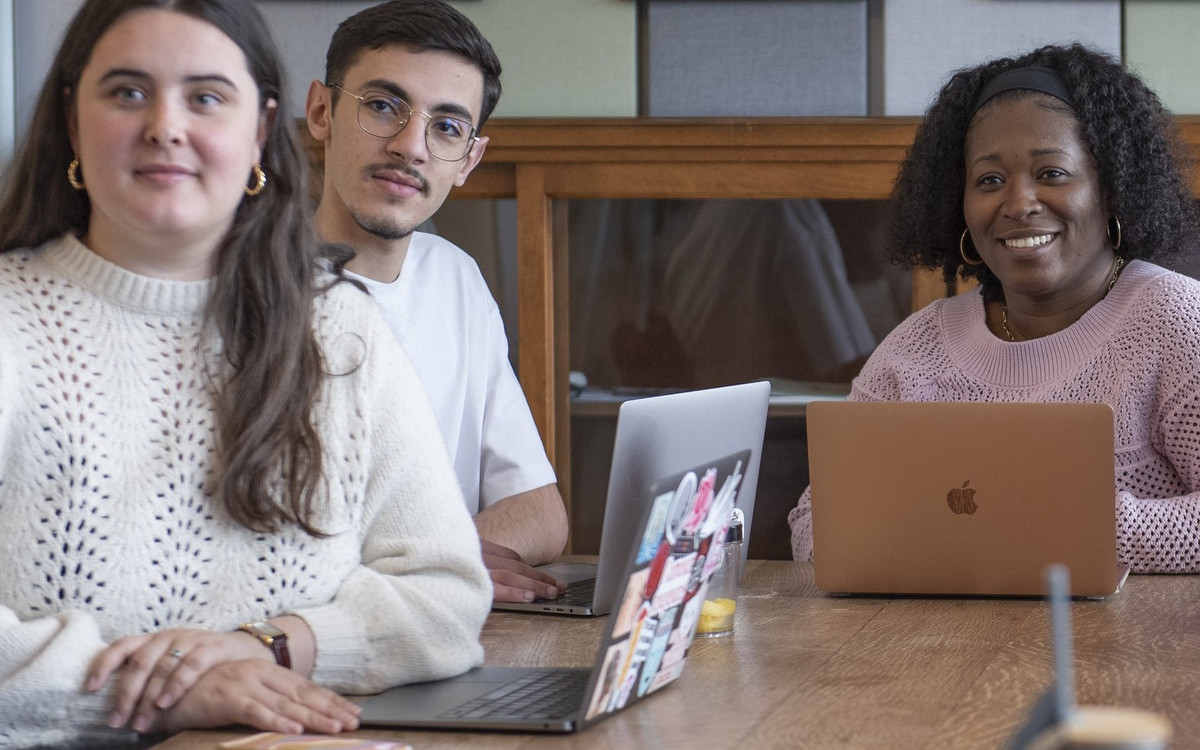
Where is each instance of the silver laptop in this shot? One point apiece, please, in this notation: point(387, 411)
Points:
point(962, 498)
point(668, 560)
point(657, 436)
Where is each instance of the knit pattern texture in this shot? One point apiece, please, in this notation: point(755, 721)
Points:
point(111, 526)
point(1137, 350)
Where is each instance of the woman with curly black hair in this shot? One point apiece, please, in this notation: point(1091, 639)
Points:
point(1054, 180)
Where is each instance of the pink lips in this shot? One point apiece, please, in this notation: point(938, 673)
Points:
point(399, 183)
point(165, 174)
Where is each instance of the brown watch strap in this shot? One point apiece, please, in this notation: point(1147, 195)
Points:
point(273, 637)
point(283, 657)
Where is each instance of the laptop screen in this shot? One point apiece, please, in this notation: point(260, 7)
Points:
point(681, 535)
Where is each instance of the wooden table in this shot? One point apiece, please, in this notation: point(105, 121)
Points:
point(805, 670)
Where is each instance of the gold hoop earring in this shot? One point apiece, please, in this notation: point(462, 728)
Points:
point(1116, 244)
point(962, 250)
point(73, 175)
point(260, 181)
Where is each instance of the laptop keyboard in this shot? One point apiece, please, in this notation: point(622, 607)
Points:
point(545, 694)
point(578, 594)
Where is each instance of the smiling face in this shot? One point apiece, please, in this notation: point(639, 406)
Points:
point(1033, 201)
point(378, 190)
point(167, 126)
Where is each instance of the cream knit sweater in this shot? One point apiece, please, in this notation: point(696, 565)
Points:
point(1137, 350)
point(109, 528)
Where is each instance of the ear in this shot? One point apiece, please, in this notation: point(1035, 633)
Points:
point(471, 161)
point(266, 121)
point(318, 111)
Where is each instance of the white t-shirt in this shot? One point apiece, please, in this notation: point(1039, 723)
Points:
point(443, 313)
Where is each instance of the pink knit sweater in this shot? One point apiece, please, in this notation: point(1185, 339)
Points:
point(1137, 350)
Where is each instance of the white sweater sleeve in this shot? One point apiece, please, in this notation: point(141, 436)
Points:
point(43, 663)
point(413, 609)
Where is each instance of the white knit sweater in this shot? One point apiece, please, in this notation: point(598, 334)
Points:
point(1137, 350)
point(109, 527)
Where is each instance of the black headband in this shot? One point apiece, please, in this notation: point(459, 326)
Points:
point(1033, 78)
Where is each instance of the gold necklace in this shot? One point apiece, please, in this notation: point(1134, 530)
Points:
point(1004, 323)
point(1118, 264)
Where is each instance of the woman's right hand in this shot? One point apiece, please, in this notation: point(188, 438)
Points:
point(263, 695)
point(155, 670)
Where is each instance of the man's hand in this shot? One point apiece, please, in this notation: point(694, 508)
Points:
point(512, 579)
point(154, 671)
point(263, 695)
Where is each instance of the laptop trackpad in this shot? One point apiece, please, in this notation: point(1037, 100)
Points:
point(569, 572)
point(427, 699)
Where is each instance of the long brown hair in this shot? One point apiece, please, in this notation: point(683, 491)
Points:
point(266, 277)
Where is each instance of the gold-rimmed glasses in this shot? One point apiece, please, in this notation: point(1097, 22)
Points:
point(383, 115)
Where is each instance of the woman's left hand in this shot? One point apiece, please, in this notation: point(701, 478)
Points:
point(154, 671)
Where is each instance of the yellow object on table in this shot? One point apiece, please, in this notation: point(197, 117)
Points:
point(716, 616)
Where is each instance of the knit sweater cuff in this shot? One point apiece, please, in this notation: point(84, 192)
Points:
point(341, 643)
point(48, 718)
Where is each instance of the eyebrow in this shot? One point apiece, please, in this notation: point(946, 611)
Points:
point(142, 75)
point(1035, 152)
point(446, 108)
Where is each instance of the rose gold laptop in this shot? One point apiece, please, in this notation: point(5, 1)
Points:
point(962, 498)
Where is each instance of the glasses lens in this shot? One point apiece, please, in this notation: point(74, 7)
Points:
point(449, 138)
point(382, 115)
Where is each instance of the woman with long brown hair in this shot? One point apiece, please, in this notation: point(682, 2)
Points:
point(222, 493)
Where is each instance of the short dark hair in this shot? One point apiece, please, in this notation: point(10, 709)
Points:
point(422, 25)
point(1142, 162)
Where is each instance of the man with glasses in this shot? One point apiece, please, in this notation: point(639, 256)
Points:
point(408, 86)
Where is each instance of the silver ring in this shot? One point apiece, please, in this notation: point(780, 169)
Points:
point(176, 653)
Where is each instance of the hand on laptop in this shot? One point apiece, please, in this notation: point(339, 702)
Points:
point(513, 580)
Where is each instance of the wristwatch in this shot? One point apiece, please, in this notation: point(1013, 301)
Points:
point(273, 637)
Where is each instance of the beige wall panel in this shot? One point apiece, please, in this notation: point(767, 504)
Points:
point(560, 57)
point(1162, 43)
point(574, 58)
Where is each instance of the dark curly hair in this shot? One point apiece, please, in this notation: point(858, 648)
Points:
point(1142, 161)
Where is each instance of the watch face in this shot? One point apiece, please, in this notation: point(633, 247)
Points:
point(265, 627)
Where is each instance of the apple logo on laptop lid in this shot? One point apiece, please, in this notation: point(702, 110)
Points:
point(962, 499)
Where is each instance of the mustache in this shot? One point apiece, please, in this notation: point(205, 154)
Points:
point(371, 169)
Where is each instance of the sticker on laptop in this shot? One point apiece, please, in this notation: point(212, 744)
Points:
point(658, 611)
